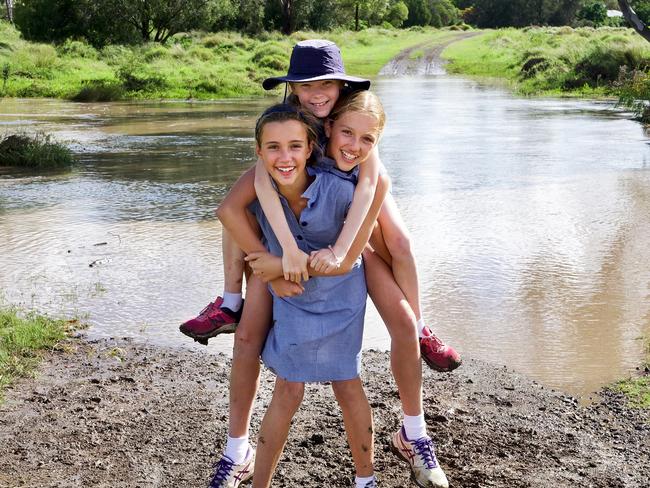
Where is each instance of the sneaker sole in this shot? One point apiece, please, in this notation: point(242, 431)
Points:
point(203, 338)
point(399, 455)
point(437, 368)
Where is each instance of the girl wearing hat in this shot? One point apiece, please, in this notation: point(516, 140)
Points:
point(318, 91)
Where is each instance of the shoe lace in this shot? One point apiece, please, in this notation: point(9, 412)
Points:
point(424, 448)
point(433, 343)
point(222, 470)
point(207, 310)
point(371, 484)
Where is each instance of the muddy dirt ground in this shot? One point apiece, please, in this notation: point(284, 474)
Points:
point(118, 413)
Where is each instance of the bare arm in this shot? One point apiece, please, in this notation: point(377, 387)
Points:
point(269, 267)
point(361, 202)
point(327, 260)
point(294, 261)
point(234, 215)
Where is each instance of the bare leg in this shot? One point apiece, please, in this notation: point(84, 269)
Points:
point(249, 339)
point(274, 430)
point(400, 321)
point(233, 263)
point(357, 418)
point(398, 243)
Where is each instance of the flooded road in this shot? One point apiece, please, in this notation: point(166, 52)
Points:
point(530, 220)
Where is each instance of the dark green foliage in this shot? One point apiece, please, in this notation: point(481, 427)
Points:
point(642, 9)
point(38, 151)
point(397, 14)
point(603, 63)
point(135, 77)
point(519, 13)
point(99, 91)
point(592, 12)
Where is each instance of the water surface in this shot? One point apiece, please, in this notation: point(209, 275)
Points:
point(530, 220)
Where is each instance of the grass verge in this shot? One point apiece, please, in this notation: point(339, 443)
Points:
point(196, 65)
point(34, 151)
point(637, 389)
point(552, 60)
point(23, 339)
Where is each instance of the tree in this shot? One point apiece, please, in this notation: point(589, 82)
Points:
point(594, 12)
point(397, 14)
point(10, 10)
point(634, 20)
point(159, 19)
point(419, 13)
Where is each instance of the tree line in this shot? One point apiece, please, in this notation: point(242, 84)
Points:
point(102, 22)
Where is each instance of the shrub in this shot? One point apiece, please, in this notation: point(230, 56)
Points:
point(134, 78)
point(99, 91)
point(271, 55)
point(78, 49)
point(206, 86)
point(155, 52)
point(604, 62)
point(202, 53)
point(115, 55)
point(37, 151)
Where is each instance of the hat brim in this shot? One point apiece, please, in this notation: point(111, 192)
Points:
point(353, 81)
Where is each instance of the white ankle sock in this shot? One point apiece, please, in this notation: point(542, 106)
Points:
point(362, 482)
point(421, 327)
point(236, 449)
point(232, 301)
point(415, 426)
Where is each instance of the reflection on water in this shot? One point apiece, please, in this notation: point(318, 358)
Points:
point(529, 219)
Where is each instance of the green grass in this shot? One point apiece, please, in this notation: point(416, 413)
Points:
point(34, 151)
point(552, 60)
point(637, 389)
point(23, 338)
point(190, 65)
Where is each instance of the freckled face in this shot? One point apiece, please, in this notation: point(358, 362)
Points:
point(351, 138)
point(318, 97)
point(284, 148)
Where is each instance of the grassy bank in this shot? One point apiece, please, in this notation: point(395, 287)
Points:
point(553, 60)
point(192, 65)
point(22, 340)
point(637, 389)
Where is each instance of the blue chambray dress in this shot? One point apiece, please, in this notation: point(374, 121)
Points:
point(317, 336)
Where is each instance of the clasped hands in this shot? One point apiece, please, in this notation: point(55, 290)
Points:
point(285, 274)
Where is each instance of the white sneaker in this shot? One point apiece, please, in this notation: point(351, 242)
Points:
point(421, 456)
point(227, 474)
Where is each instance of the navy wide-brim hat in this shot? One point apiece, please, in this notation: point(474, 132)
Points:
point(315, 60)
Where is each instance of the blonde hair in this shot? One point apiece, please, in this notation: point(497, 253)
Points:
point(364, 102)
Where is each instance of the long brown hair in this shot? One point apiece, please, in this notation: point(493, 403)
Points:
point(282, 112)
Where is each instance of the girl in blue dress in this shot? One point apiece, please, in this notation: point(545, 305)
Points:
point(316, 336)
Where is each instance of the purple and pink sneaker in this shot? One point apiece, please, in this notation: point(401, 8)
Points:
point(211, 321)
point(437, 354)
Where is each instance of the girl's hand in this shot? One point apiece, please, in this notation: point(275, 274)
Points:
point(264, 264)
point(283, 288)
point(324, 261)
point(294, 265)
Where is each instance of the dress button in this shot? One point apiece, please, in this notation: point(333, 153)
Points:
point(304, 224)
point(299, 238)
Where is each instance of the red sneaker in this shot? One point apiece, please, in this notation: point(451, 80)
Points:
point(212, 321)
point(437, 354)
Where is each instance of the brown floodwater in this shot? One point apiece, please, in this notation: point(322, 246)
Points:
point(530, 221)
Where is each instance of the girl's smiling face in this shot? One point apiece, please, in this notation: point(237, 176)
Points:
point(318, 97)
point(351, 138)
point(285, 149)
